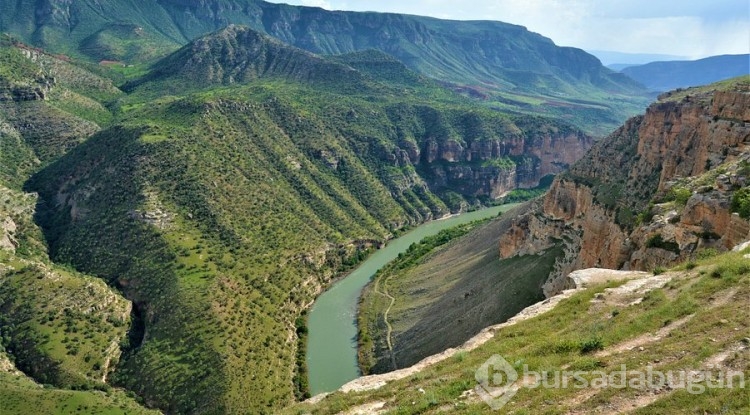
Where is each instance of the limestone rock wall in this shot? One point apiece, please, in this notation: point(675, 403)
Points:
point(613, 208)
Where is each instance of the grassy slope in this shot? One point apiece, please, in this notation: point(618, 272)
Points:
point(445, 294)
point(60, 327)
point(709, 298)
point(20, 395)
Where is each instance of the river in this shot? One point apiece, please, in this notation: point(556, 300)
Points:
point(332, 322)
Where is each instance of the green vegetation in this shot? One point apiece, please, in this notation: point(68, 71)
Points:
point(60, 327)
point(20, 395)
point(501, 163)
point(679, 195)
point(705, 306)
point(741, 202)
point(657, 241)
point(48, 326)
point(522, 195)
point(221, 196)
point(443, 291)
point(510, 69)
point(14, 67)
point(220, 207)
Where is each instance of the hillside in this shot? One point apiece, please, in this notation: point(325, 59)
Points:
point(666, 193)
point(692, 319)
point(504, 65)
point(219, 192)
point(665, 76)
point(659, 190)
point(444, 291)
point(662, 188)
point(60, 330)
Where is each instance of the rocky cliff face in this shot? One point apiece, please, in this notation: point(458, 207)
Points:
point(656, 191)
point(20, 93)
point(493, 167)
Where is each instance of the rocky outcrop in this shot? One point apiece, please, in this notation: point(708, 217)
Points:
point(7, 229)
point(619, 207)
point(493, 167)
point(36, 91)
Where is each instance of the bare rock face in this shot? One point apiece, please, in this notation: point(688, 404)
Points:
point(604, 210)
point(7, 229)
point(492, 167)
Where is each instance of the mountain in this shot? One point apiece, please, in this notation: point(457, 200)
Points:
point(661, 189)
point(511, 68)
point(610, 58)
point(664, 76)
point(210, 199)
point(618, 67)
point(667, 189)
point(657, 191)
point(240, 55)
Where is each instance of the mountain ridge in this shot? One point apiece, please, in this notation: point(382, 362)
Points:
point(221, 209)
point(239, 54)
point(521, 71)
point(667, 75)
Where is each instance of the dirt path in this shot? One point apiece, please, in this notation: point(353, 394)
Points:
point(583, 278)
point(389, 327)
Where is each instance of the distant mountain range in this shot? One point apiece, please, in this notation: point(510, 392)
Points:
point(664, 76)
point(613, 59)
point(506, 65)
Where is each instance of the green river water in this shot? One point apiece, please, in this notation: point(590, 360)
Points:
point(332, 323)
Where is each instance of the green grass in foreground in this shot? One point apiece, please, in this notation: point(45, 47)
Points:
point(21, 396)
point(560, 340)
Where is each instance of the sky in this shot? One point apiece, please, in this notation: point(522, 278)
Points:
point(691, 29)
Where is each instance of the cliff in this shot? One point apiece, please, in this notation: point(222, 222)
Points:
point(453, 152)
point(493, 167)
point(661, 189)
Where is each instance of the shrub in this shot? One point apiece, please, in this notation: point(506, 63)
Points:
point(646, 216)
point(591, 345)
point(657, 241)
point(707, 253)
point(679, 195)
point(741, 202)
